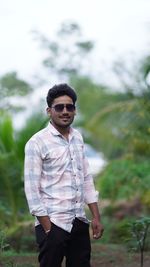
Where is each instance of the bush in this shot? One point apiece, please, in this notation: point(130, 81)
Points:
point(22, 238)
point(121, 231)
point(125, 179)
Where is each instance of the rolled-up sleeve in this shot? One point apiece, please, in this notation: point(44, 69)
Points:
point(32, 176)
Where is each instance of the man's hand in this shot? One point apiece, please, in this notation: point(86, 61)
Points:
point(45, 222)
point(97, 228)
point(96, 225)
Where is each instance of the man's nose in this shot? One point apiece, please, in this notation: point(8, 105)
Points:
point(65, 110)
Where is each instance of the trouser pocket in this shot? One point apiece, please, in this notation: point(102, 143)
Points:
point(40, 235)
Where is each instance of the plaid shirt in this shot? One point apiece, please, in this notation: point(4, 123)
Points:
point(58, 182)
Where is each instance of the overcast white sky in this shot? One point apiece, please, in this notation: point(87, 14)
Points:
point(120, 27)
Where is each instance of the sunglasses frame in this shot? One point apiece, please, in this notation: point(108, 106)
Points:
point(60, 107)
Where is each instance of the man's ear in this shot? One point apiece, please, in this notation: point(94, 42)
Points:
point(48, 110)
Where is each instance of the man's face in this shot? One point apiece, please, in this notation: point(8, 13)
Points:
point(62, 112)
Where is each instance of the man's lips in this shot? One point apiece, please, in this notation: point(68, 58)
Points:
point(65, 118)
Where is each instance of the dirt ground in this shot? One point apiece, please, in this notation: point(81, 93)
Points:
point(102, 256)
point(116, 256)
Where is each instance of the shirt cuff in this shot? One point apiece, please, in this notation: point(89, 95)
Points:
point(91, 197)
point(38, 212)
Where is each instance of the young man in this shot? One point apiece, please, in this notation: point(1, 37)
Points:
point(58, 184)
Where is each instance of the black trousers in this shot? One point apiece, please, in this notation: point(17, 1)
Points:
point(74, 246)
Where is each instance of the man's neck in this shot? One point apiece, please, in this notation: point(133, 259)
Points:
point(62, 131)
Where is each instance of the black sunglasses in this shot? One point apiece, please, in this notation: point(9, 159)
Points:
point(60, 107)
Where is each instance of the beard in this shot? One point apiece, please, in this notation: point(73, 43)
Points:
point(63, 122)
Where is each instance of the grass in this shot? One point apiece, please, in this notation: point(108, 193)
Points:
point(102, 256)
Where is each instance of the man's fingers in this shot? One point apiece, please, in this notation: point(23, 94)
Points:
point(98, 234)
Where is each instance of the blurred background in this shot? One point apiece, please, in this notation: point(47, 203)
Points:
point(102, 49)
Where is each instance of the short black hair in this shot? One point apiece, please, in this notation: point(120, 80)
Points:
point(60, 90)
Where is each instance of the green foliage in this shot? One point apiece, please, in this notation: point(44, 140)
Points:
point(66, 50)
point(6, 133)
point(113, 122)
point(3, 243)
point(109, 225)
point(117, 123)
point(12, 195)
point(11, 86)
point(91, 94)
point(123, 127)
point(10, 173)
point(145, 70)
point(21, 237)
point(120, 231)
point(13, 202)
point(91, 98)
point(146, 198)
point(125, 179)
point(140, 230)
point(132, 232)
point(34, 123)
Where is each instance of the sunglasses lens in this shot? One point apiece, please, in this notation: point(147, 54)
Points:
point(60, 107)
point(70, 107)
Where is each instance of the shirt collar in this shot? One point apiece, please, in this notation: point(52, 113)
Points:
point(54, 131)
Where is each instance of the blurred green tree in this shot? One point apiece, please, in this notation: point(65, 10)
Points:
point(10, 173)
point(68, 54)
point(13, 203)
point(123, 123)
point(12, 86)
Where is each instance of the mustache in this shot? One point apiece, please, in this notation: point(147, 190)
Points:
point(65, 116)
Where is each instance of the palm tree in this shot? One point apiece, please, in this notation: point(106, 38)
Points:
point(13, 205)
point(118, 123)
point(10, 170)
